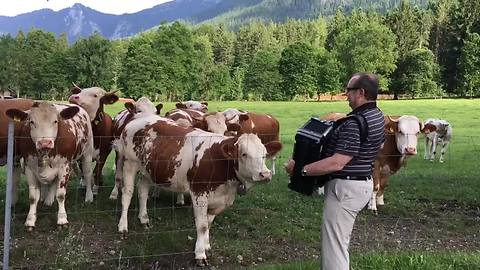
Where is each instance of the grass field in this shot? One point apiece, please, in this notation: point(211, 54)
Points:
point(431, 219)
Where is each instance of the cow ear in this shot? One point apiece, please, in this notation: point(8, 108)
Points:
point(199, 123)
point(75, 90)
point(16, 115)
point(390, 126)
point(233, 127)
point(273, 148)
point(243, 117)
point(69, 112)
point(109, 98)
point(427, 128)
point(180, 105)
point(130, 107)
point(229, 150)
point(159, 108)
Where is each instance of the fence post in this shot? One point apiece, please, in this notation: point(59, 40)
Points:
point(8, 198)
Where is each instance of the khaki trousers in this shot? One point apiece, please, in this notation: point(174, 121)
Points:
point(343, 200)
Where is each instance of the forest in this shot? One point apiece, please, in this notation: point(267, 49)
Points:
point(426, 51)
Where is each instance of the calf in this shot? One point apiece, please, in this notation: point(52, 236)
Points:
point(51, 137)
point(401, 137)
point(143, 107)
point(441, 136)
point(208, 166)
point(6, 104)
point(92, 100)
point(264, 125)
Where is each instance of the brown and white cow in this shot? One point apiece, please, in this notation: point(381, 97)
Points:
point(214, 122)
point(193, 105)
point(143, 107)
point(441, 136)
point(208, 166)
point(6, 104)
point(264, 125)
point(401, 138)
point(92, 100)
point(51, 137)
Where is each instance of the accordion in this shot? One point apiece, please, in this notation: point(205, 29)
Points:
point(310, 143)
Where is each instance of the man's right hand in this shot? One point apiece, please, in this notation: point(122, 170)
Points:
point(289, 166)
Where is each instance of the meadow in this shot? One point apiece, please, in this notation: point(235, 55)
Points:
point(431, 219)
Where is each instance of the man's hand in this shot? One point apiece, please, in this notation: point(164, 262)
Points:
point(289, 166)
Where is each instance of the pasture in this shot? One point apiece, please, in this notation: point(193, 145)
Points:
point(431, 219)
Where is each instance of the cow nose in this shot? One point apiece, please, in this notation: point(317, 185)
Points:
point(45, 144)
point(267, 175)
point(411, 151)
point(73, 98)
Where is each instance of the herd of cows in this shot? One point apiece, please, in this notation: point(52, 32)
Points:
point(211, 156)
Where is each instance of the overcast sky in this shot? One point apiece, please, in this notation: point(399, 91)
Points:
point(15, 7)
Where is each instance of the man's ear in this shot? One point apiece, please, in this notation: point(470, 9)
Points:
point(273, 148)
point(130, 107)
point(229, 150)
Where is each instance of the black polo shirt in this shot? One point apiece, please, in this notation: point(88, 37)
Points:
point(346, 140)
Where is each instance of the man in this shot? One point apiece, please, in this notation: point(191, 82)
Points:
point(349, 166)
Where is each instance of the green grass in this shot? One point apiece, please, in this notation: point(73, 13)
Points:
point(425, 202)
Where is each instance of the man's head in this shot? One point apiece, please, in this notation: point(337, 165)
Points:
point(361, 88)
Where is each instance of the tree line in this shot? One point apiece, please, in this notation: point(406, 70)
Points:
point(418, 52)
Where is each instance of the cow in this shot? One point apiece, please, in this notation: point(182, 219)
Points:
point(193, 105)
point(214, 122)
point(142, 107)
point(264, 125)
point(401, 138)
point(51, 137)
point(210, 167)
point(441, 136)
point(92, 100)
point(6, 104)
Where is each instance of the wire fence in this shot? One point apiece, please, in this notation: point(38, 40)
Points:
point(429, 207)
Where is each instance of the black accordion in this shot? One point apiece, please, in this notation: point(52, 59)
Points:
point(310, 143)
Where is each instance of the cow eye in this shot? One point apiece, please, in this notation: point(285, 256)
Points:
point(139, 111)
point(55, 122)
point(32, 123)
point(244, 155)
point(95, 96)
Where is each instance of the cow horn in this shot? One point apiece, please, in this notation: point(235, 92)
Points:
point(231, 118)
point(113, 92)
point(76, 86)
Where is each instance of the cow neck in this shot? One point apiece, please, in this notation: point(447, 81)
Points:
point(99, 116)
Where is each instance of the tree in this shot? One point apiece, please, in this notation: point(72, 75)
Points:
point(329, 73)
point(262, 80)
point(419, 74)
point(297, 67)
point(367, 46)
point(469, 66)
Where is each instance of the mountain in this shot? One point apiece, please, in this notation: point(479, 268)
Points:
point(80, 21)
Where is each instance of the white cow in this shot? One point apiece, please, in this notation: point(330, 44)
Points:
point(441, 136)
point(51, 138)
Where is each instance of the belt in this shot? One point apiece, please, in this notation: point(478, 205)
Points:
point(351, 177)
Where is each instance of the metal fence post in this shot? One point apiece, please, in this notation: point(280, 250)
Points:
point(8, 198)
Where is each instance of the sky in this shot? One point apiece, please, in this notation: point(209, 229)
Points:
point(15, 7)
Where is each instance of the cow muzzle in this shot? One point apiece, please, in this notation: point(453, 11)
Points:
point(75, 99)
point(411, 151)
point(265, 176)
point(45, 144)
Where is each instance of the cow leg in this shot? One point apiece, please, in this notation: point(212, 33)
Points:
point(16, 182)
point(200, 210)
point(63, 177)
point(78, 172)
point(98, 170)
point(87, 175)
point(180, 199)
point(130, 169)
point(433, 151)
point(427, 148)
point(273, 165)
point(143, 187)
point(34, 197)
point(118, 176)
point(444, 149)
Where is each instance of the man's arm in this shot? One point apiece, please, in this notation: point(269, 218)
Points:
point(327, 165)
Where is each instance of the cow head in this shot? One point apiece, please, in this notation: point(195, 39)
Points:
point(43, 119)
point(440, 125)
point(143, 105)
point(193, 105)
point(406, 129)
point(216, 123)
point(235, 116)
point(92, 100)
point(250, 153)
